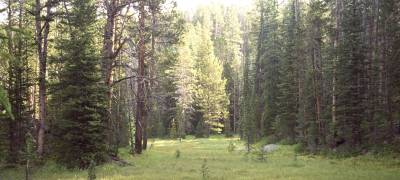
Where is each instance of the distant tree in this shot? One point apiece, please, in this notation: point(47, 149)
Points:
point(316, 124)
point(210, 95)
point(350, 84)
point(246, 124)
point(184, 74)
point(269, 53)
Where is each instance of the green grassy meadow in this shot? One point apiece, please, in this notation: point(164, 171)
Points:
point(161, 162)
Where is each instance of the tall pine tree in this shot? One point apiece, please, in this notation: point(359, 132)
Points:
point(79, 132)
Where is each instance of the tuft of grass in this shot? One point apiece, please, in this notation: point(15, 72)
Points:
point(205, 170)
point(92, 171)
point(160, 163)
point(177, 154)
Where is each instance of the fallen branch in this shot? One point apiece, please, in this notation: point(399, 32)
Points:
point(120, 162)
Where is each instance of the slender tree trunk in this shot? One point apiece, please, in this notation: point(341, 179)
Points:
point(131, 106)
point(112, 45)
point(42, 45)
point(152, 69)
point(316, 89)
point(108, 48)
point(140, 109)
point(245, 105)
point(300, 68)
point(257, 83)
point(107, 62)
point(336, 45)
point(317, 75)
point(232, 124)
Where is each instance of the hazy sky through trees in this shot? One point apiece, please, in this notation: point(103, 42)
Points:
point(188, 5)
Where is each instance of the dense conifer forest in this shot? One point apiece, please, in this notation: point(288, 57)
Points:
point(88, 84)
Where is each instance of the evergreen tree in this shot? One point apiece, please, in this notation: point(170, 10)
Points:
point(350, 93)
point(246, 124)
point(289, 85)
point(184, 75)
point(225, 28)
point(315, 123)
point(210, 95)
point(388, 39)
point(271, 56)
point(257, 91)
point(18, 53)
point(79, 134)
point(228, 51)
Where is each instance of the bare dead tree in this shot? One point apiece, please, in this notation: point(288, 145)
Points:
point(42, 25)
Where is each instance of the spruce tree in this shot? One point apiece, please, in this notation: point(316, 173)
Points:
point(259, 68)
point(350, 94)
point(184, 73)
point(229, 53)
point(288, 97)
point(246, 122)
point(79, 134)
point(315, 123)
point(210, 95)
point(271, 56)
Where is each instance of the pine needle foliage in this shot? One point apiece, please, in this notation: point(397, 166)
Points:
point(80, 130)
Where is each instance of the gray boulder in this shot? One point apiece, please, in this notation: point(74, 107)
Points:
point(269, 148)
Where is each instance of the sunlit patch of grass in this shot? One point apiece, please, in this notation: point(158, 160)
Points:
point(161, 162)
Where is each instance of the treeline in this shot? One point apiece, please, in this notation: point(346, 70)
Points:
point(207, 73)
point(83, 78)
point(324, 74)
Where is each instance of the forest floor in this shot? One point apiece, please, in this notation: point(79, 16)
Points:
point(161, 162)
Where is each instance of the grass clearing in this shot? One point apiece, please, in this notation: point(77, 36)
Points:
point(161, 162)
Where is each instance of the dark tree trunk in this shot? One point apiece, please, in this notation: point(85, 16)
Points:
point(140, 109)
point(112, 45)
point(107, 61)
point(42, 44)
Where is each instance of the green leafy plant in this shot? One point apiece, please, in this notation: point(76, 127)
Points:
point(5, 104)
